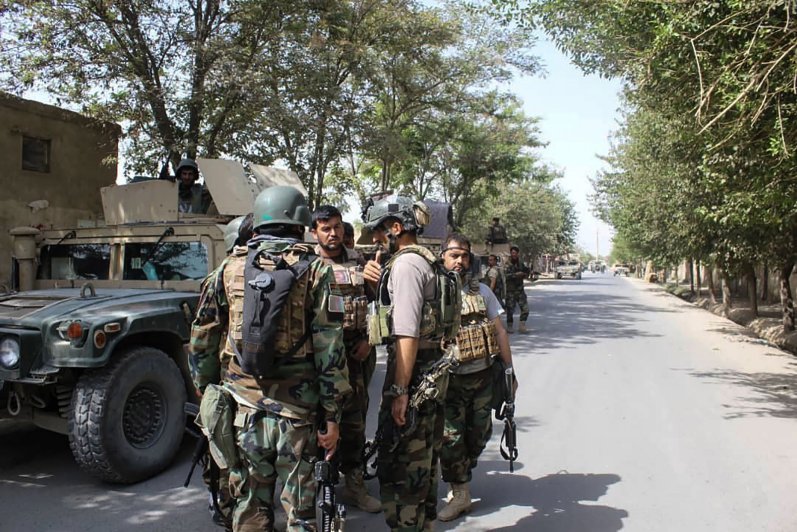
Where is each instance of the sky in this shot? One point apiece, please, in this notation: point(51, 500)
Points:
point(577, 114)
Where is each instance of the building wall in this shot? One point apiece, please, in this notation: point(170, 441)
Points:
point(82, 158)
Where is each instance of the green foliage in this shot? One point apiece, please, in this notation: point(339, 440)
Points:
point(538, 216)
point(703, 166)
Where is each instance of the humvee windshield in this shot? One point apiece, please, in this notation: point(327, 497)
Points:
point(172, 261)
point(75, 261)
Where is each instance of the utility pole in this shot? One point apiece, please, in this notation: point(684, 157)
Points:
point(597, 244)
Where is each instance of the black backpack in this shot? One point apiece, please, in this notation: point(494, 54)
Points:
point(265, 294)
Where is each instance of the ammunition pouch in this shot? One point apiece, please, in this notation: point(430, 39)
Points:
point(378, 323)
point(355, 313)
point(216, 419)
point(476, 341)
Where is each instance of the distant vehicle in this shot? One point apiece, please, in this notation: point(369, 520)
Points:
point(568, 268)
point(621, 269)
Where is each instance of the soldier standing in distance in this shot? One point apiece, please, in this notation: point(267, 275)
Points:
point(468, 407)
point(515, 272)
point(277, 415)
point(408, 473)
point(496, 233)
point(206, 349)
point(494, 279)
point(327, 228)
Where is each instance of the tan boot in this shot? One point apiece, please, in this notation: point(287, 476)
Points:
point(522, 327)
point(355, 492)
point(459, 503)
point(428, 526)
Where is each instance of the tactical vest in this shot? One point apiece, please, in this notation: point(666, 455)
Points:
point(439, 316)
point(350, 284)
point(290, 339)
point(476, 338)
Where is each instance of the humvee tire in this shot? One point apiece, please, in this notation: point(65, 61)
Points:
point(126, 419)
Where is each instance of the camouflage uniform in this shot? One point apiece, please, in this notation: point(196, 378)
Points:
point(207, 364)
point(468, 423)
point(408, 473)
point(348, 281)
point(515, 295)
point(277, 416)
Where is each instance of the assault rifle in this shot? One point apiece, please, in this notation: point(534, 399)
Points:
point(329, 516)
point(425, 390)
point(508, 445)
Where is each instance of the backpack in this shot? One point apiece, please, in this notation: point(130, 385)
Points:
point(266, 292)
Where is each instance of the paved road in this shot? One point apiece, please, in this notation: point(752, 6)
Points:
point(636, 411)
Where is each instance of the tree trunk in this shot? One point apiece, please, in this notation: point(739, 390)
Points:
point(765, 284)
point(786, 301)
point(727, 304)
point(712, 294)
point(752, 292)
point(699, 279)
point(691, 275)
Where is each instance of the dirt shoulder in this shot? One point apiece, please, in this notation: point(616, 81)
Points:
point(767, 325)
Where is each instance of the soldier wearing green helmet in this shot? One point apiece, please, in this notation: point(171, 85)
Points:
point(277, 414)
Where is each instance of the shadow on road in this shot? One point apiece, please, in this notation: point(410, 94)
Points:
point(775, 394)
point(556, 500)
point(37, 465)
point(571, 318)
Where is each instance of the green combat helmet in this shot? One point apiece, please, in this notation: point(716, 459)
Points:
point(281, 205)
point(231, 232)
point(413, 215)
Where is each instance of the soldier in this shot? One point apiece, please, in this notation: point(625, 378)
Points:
point(348, 236)
point(276, 414)
point(468, 407)
point(515, 272)
point(494, 278)
point(192, 197)
point(409, 286)
point(496, 233)
point(328, 230)
point(207, 363)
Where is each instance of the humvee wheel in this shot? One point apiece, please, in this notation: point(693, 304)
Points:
point(126, 420)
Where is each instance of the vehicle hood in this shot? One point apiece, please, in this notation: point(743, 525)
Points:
point(30, 309)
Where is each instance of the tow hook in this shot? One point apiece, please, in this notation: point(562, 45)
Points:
point(14, 405)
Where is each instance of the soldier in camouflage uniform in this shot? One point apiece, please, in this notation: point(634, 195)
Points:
point(328, 230)
point(277, 415)
point(468, 408)
point(515, 272)
point(407, 466)
point(206, 349)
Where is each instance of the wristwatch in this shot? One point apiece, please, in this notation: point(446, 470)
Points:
point(397, 390)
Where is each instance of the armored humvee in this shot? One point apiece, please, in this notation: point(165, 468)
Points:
point(92, 341)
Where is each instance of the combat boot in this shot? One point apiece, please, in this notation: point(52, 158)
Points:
point(459, 503)
point(509, 328)
point(428, 526)
point(522, 327)
point(355, 493)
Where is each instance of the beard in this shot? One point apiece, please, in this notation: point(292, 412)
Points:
point(335, 246)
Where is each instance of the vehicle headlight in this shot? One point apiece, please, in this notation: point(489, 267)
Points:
point(9, 352)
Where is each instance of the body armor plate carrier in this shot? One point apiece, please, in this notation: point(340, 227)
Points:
point(440, 317)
